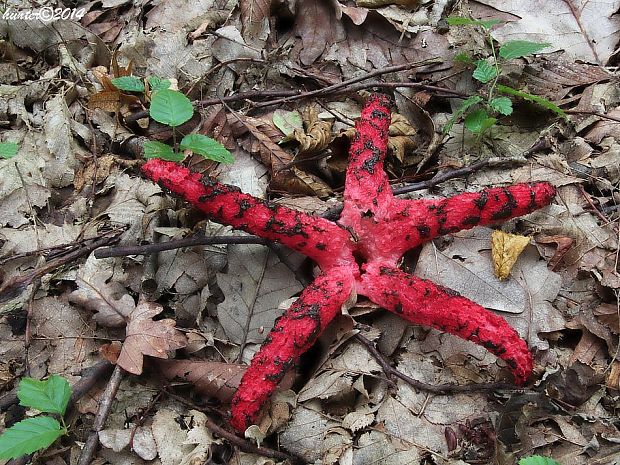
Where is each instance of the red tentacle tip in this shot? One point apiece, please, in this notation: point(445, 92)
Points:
point(544, 192)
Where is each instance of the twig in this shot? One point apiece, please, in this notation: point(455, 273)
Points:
point(415, 85)
point(441, 389)
point(250, 95)
point(597, 212)
point(148, 249)
point(345, 84)
point(15, 285)
point(594, 113)
point(105, 405)
point(235, 440)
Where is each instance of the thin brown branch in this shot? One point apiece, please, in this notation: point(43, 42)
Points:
point(594, 113)
point(148, 249)
point(14, 286)
point(235, 440)
point(440, 389)
point(347, 83)
point(105, 405)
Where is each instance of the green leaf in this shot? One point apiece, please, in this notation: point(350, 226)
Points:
point(287, 121)
point(155, 149)
point(207, 147)
point(8, 149)
point(51, 395)
point(128, 84)
point(460, 21)
point(537, 460)
point(463, 57)
point(502, 105)
point(157, 83)
point(520, 48)
point(484, 72)
point(171, 107)
point(28, 436)
point(478, 121)
point(543, 102)
point(465, 105)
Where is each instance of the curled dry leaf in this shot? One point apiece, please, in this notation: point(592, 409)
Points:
point(318, 133)
point(401, 136)
point(505, 250)
point(148, 337)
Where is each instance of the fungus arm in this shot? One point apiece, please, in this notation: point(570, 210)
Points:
point(425, 303)
point(292, 335)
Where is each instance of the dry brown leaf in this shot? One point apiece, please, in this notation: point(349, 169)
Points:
point(97, 170)
point(564, 243)
point(263, 143)
point(212, 379)
point(254, 17)
point(505, 250)
point(315, 184)
point(148, 337)
point(609, 314)
point(401, 137)
point(111, 351)
point(97, 292)
point(613, 378)
point(317, 136)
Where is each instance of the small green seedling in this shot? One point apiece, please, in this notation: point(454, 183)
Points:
point(481, 112)
point(39, 432)
point(537, 460)
point(172, 108)
point(8, 149)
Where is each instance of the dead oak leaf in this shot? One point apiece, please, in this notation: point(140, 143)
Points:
point(148, 337)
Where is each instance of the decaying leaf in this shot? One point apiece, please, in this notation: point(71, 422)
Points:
point(255, 18)
point(505, 250)
point(255, 285)
point(148, 337)
point(99, 291)
point(564, 243)
point(401, 133)
point(211, 379)
point(317, 135)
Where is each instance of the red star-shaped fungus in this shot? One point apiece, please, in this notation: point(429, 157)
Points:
point(359, 254)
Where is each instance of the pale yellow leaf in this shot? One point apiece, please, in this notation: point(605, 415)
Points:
point(505, 250)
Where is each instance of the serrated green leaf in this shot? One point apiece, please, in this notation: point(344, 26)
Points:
point(128, 84)
point(171, 107)
point(156, 149)
point(520, 48)
point(51, 395)
point(543, 102)
point(157, 83)
point(207, 147)
point(465, 105)
point(502, 105)
point(478, 121)
point(8, 149)
point(287, 121)
point(461, 21)
point(537, 460)
point(28, 436)
point(484, 72)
